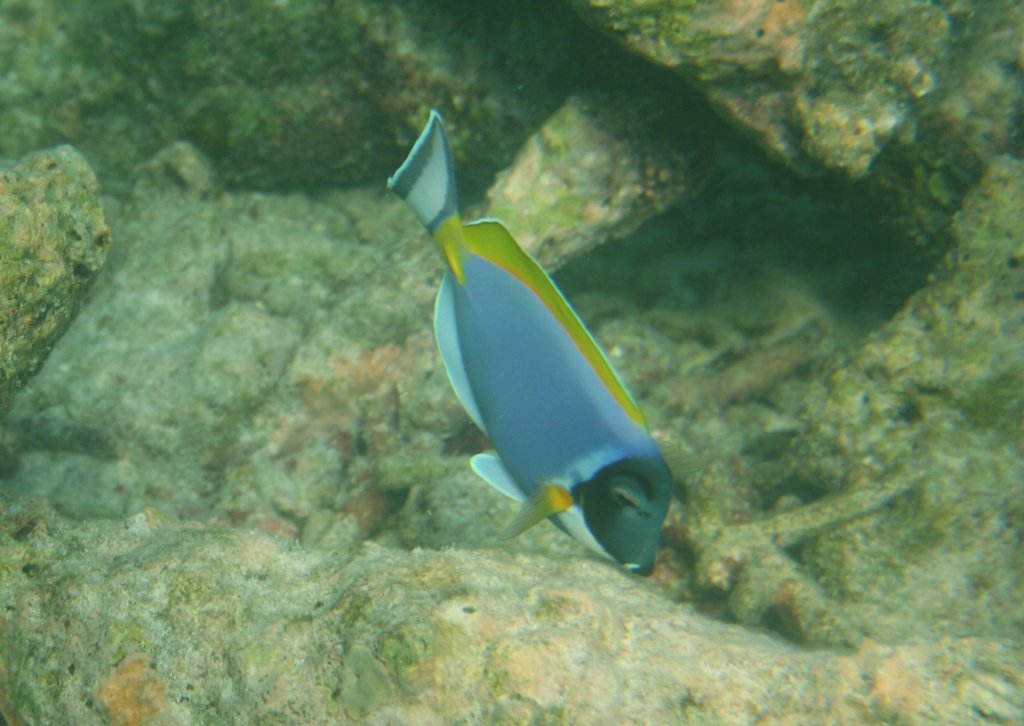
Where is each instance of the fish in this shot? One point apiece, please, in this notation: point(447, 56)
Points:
point(569, 442)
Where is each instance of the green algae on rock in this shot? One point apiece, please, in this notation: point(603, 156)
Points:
point(53, 241)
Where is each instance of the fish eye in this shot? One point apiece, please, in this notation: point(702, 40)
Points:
point(625, 498)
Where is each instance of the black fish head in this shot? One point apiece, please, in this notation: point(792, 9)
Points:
point(624, 505)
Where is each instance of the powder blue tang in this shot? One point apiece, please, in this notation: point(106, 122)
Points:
point(569, 441)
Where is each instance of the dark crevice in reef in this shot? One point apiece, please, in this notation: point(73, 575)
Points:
point(756, 223)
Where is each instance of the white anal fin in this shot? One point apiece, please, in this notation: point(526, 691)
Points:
point(489, 468)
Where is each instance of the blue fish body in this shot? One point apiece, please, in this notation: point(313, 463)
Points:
point(570, 442)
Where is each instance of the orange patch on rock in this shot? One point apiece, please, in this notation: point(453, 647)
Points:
point(784, 16)
point(898, 687)
point(783, 23)
point(777, 25)
point(133, 692)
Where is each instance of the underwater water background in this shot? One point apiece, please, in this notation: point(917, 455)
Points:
point(234, 481)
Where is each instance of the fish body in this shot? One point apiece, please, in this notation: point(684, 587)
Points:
point(570, 443)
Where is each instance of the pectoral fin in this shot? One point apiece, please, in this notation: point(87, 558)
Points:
point(681, 463)
point(545, 502)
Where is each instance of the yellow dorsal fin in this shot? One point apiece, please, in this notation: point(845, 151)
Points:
point(489, 239)
point(452, 243)
point(546, 501)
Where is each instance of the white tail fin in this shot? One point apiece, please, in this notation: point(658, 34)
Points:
point(426, 179)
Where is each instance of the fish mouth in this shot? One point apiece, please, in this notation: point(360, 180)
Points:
point(638, 568)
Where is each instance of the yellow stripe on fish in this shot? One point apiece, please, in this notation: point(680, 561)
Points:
point(489, 239)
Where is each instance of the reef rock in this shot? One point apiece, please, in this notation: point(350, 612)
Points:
point(594, 171)
point(53, 241)
point(933, 403)
point(831, 84)
point(201, 625)
point(283, 95)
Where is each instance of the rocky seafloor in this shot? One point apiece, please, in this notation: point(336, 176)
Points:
point(238, 492)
